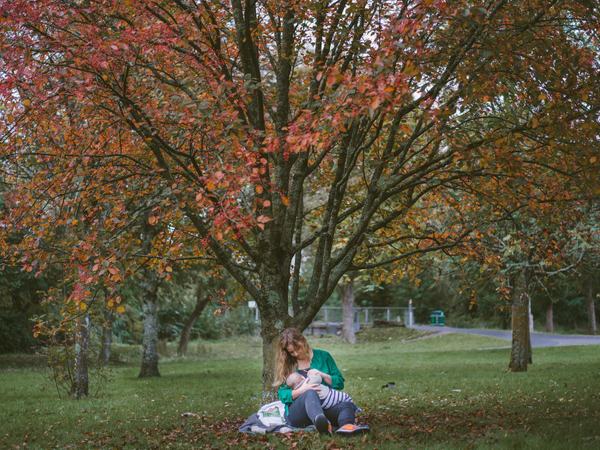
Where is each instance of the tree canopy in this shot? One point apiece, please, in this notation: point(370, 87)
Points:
point(254, 131)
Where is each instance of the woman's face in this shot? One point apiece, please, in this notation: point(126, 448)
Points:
point(293, 351)
point(296, 352)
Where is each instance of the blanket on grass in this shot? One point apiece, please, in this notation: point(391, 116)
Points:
point(270, 418)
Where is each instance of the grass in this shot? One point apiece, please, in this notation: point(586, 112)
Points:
point(452, 392)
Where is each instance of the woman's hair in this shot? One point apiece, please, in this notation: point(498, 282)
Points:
point(284, 362)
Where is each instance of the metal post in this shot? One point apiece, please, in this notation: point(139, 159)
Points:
point(530, 316)
point(387, 314)
point(326, 310)
point(366, 315)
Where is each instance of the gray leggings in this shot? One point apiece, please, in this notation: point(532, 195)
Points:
point(304, 409)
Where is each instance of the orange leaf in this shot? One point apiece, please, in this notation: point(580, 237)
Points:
point(263, 219)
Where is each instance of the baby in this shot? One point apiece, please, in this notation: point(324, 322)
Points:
point(329, 397)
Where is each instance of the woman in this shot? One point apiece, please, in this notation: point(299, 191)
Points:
point(302, 405)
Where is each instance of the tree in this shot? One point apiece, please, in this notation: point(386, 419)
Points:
point(202, 299)
point(240, 113)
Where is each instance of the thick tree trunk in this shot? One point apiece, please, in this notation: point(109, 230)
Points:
point(274, 318)
point(104, 356)
point(591, 306)
point(347, 292)
point(201, 301)
point(270, 341)
point(550, 317)
point(150, 340)
point(80, 386)
point(520, 355)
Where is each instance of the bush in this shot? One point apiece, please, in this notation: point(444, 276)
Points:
point(15, 333)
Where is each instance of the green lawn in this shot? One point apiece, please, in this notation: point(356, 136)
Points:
point(452, 391)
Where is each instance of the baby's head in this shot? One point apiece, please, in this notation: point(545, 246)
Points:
point(294, 380)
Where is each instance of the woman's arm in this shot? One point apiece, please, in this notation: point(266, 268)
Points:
point(337, 379)
point(330, 373)
point(285, 394)
point(303, 388)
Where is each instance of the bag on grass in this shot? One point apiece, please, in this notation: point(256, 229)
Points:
point(270, 418)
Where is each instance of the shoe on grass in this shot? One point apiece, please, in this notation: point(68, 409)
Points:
point(322, 424)
point(351, 429)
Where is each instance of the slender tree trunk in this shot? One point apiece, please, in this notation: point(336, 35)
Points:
point(347, 292)
point(550, 317)
point(150, 340)
point(80, 386)
point(521, 340)
point(104, 356)
point(201, 302)
point(149, 284)
point(591, 306)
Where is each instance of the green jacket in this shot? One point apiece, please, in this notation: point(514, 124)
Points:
point(322, 361)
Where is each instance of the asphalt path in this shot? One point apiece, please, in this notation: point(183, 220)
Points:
point(537, 339)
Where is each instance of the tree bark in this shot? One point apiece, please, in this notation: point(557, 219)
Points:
point(80, 386)
point(347, 292)
point(104, 356)
point(270, 339)
point(520, 355)
point(150, 340)
point(201, 302)
point(149, 284)
point(591, 306)
point(274, 318)
point(550, 317)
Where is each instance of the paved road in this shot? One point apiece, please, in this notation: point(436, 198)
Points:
point(537, 339)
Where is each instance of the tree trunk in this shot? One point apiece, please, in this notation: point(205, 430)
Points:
point(521, 340)
point(104, 356)
point(270, 339)
point(150, 340)
point(550, 317)
point(274, 317)
point(347, 292)
point(80, 386)
point(149, 284)
point(201, 302)
point(591, 307)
